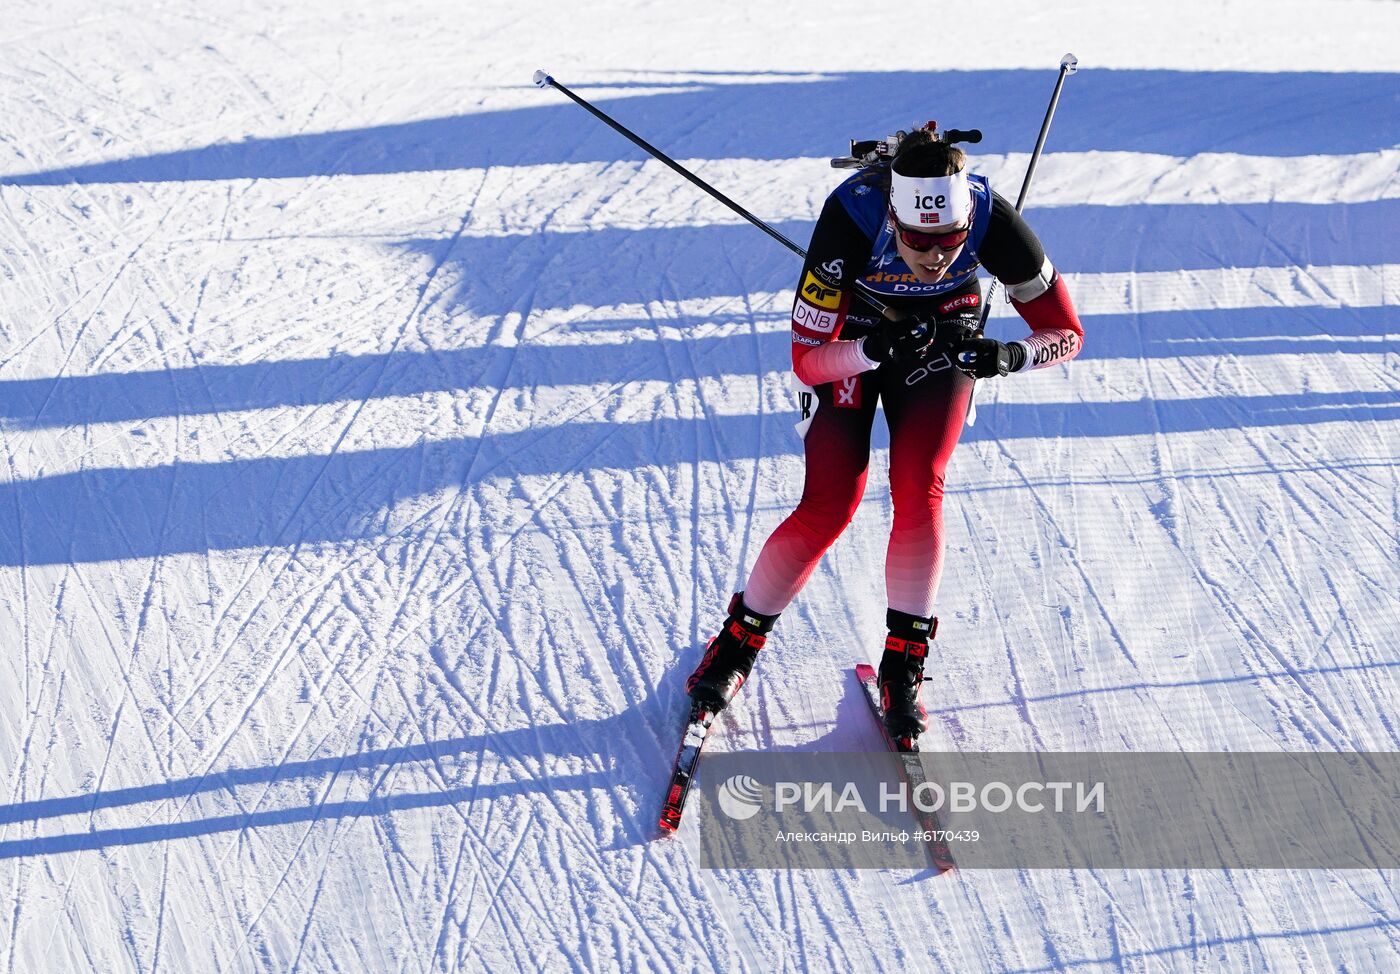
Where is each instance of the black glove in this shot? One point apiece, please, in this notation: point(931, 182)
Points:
point(983, 358)
point(903, 339)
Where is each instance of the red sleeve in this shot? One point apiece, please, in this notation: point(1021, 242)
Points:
point(1051, 310)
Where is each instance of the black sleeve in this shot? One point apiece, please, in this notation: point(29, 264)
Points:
point(836, 258)
point(839, 251)
point(1010, 250)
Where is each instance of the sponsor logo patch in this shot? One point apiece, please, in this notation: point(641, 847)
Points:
point(804, 340)
point(830, 272)
point(813, 318)
point(821, 294)
point(889, 283)
point(847, 392)
point(963, 301)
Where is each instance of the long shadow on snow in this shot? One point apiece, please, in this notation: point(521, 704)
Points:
point(541, 743)
point(104, 514)
point(613, 266)
point(61, 401)
point(1170, 112)
point(206, 389)
point(599, 268)
point(632, 748)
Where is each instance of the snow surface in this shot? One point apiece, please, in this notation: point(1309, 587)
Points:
point(382, 436)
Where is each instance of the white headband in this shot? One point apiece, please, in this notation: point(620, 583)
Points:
point(930, 201)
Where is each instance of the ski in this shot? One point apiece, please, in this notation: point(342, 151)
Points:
point(911, 770)
point(697, 728)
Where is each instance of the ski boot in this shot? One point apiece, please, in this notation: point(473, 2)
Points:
point(902, 674)
point(729, 657)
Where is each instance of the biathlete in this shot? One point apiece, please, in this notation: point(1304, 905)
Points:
point(914, 230)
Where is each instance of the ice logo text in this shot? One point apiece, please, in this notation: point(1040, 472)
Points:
point(740, 797)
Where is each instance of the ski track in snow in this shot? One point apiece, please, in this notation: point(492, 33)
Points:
point(382, 438)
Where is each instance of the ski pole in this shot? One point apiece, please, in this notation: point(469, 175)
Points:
point(544, 80)
point(1068, 65)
